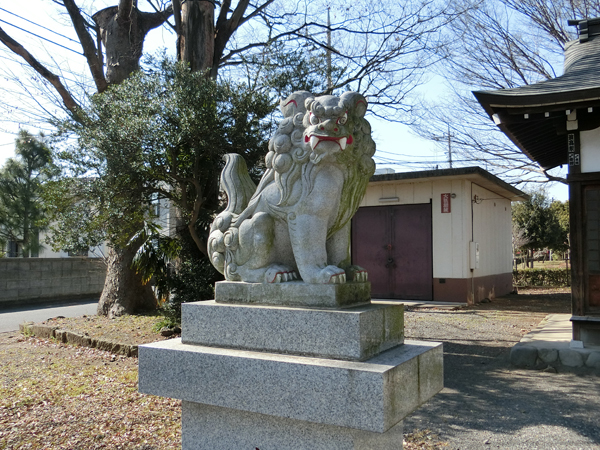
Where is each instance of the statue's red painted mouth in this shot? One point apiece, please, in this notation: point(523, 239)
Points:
point(315, 139)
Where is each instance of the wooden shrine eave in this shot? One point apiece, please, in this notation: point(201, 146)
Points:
point(537, 118)
point(538, 125)
point(541, 102)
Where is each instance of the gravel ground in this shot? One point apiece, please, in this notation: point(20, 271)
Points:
point(486, 402)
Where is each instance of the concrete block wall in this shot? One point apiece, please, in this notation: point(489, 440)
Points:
point(27, 280)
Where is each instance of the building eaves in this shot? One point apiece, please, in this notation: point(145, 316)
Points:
point(475, 174)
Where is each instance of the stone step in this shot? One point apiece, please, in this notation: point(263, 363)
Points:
point(373, 395)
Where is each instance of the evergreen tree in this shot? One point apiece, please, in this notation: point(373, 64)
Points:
point(22, 211)
point(540, 224)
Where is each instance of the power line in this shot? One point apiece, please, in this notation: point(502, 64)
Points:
point(38, 25)
point(25, 64)
point(392, 153)
point(406, 163)
point(38, 36)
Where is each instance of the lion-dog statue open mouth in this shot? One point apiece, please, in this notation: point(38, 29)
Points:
point(296, 223)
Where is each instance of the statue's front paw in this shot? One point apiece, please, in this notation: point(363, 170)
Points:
point(280, 274)
point(357, 274)
point(332, 275)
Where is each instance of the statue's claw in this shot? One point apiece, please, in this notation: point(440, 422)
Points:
point(338, 278)
point(330, 275)
point(280, 274)
point(357, 274)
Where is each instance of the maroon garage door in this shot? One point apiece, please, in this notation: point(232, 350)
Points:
point(394, 244)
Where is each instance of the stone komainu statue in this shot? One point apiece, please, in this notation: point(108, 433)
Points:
point(296, 223)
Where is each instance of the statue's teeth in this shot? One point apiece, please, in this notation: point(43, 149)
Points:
point(343, 143)
point(314, 141)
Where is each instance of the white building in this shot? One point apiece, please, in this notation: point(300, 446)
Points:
point(441, 235)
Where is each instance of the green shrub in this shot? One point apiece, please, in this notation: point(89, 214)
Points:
point(541, 277)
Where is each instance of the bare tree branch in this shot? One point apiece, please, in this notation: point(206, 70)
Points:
point(500, 44)
point(91, 53)
point(17, 48)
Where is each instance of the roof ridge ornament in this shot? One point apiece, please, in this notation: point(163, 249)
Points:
point(586, 28)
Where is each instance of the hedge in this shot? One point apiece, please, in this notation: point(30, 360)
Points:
point(541, 277)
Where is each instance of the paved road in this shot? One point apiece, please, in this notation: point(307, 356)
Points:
point(11, 318)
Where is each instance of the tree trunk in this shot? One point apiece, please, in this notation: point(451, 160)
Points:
point(531, 253)
point(123, 291)
point(123, 29)
point(197, 39)
point(123, 34)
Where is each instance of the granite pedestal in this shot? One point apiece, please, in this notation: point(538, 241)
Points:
point(292, 377)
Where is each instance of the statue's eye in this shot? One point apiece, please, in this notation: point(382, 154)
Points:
point(314, 120)
point(342, 120)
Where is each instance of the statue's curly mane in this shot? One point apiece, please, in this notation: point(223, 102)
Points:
point(291, 159)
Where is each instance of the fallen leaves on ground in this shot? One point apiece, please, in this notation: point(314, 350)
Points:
point(56, 396)
point(423, 440)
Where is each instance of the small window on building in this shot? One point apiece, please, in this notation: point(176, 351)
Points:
point(155, 204)
point(14, 249)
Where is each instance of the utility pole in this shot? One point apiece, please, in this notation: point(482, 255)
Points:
point(328, 53)
point(449, 147)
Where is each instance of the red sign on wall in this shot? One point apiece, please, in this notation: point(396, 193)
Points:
point(446, 203)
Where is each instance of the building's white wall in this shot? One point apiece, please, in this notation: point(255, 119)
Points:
point(452, 232)
point(493, 231)
point(167, 217)
point(590, 150)
point(47, 252)
point(407, 193)
point(167, 220)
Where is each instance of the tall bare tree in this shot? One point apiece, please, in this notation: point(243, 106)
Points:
point(499, 44)
point(381, 49)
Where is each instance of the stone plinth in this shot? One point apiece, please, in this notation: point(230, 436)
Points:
point(295, 293)
point(352, 333)
point(292, 376)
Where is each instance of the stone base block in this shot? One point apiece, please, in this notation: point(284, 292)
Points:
point(295, 293)
point(207, 427)
point(373, 395)
point(357, 333)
